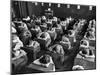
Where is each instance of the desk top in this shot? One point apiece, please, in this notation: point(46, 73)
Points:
point(41, 68)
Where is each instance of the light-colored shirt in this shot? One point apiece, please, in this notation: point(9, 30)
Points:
point(17, 43)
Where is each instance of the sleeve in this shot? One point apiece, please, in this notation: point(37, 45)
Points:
point(18, 45)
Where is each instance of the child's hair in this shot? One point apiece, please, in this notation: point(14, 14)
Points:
point(45, 59)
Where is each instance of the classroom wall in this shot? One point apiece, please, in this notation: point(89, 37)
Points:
point(29, 8)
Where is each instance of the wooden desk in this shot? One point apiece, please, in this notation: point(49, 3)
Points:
point(31, 53)
point(41, 68)
point(18, 63)
point(92, 43)
point(85, 63)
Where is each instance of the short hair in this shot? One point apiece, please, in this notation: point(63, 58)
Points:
point(42, 35)
point(45, 59)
